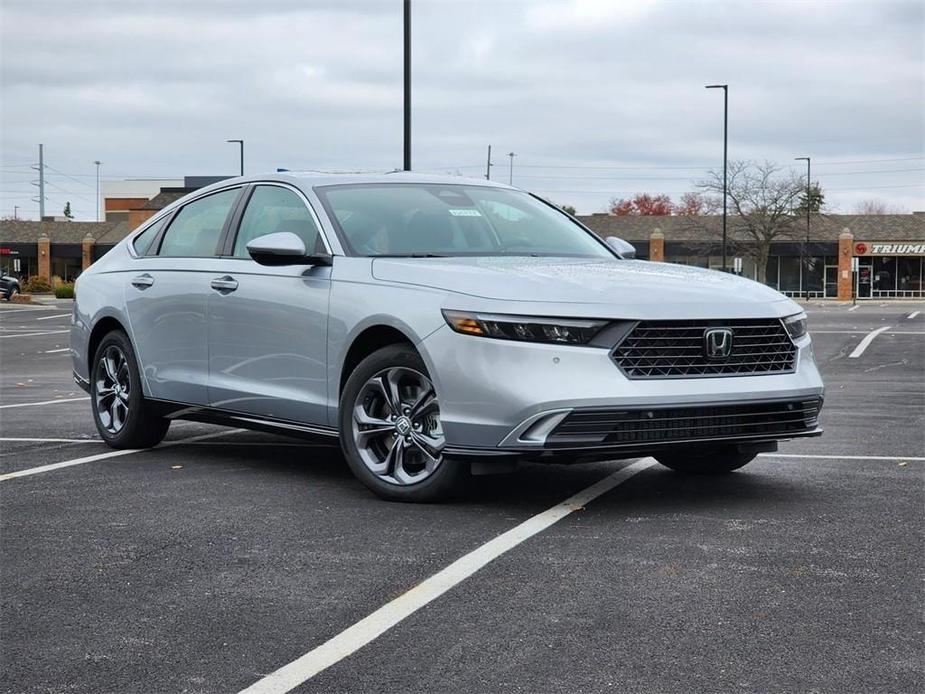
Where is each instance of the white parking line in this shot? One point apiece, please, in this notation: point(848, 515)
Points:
point(855, 332)
point(840, 457)
point(49, 332)
point(109, 454)
point(23, 310)
point(913, 315)
point(185, 442)
point(865, 343)
point(855, 307)
point(55, 351)
point(366, 630)
point(44, 402)
point(60, 315)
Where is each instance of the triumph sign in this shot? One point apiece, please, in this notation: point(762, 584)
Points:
point(889, 248)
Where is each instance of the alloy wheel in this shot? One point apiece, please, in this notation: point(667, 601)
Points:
point(396, 426)
point(113, 389)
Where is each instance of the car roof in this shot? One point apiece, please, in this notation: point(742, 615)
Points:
point(317, 179)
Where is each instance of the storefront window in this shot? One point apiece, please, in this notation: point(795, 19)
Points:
point(909, 274)
point(813, 273)
point(771, 276)
point(789, 274)
point(884, 279)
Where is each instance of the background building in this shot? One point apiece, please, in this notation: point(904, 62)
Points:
point(890, 248)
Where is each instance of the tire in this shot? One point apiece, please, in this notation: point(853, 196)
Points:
point(123, 417)
point(396, 455)
point(711, 461)
point(11, 292)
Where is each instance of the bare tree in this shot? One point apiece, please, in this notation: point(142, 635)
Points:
point(760, 200)
point(876, 207)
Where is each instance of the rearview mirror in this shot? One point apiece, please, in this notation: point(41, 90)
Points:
point(283, 248)
point(624, 248)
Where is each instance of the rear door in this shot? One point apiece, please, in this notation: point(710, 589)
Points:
point(166, 297)
point(268, 325)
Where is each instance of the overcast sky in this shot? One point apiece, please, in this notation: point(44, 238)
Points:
point(597, 99)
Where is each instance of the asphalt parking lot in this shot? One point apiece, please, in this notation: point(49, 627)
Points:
point(221, 556)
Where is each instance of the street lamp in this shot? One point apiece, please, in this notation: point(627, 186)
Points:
point(808, 194)
point(241, 144)
point(511, 176)
point(406, 164)
point(725, 88)
point(97, 162)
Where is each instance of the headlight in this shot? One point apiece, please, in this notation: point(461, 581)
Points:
point(567, 331)
point(796, 326)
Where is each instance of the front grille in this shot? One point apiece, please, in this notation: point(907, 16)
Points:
point(676, 349)
point(664, 425)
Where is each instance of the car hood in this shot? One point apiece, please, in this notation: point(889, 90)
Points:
point(618, 288)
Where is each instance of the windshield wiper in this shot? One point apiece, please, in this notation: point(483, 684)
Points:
point(410, 255)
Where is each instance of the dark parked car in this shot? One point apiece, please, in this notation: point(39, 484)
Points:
point(9, 285)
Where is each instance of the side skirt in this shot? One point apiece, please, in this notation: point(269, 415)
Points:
point(228, 418)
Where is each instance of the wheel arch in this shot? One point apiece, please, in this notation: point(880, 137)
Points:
point(101, 328)
point(369, 340)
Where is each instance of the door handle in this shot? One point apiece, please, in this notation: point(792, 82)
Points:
point(142, 281)
point(225, 284)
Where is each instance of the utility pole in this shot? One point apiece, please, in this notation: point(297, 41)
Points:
point(488, 167)
point(241, 145)
point(407, 112)
point(15, 212)
point(725, 88)
point(510, 181)
point(41, 184)
point(97, 162)
point(809, 191)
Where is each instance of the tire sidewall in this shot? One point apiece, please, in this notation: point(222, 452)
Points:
point(448, 476)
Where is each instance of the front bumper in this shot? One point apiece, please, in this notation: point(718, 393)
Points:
point(493, 391)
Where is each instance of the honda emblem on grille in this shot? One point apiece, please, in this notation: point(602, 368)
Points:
point(717, 343)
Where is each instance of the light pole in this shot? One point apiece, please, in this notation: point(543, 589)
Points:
point(407, 84)
point(97, 162)
point(725, 88)
point(241, 145)
point(488, 166)
point(510, 180)
point(15, 212)
point(808, 207)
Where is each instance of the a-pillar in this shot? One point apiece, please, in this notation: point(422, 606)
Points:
point(45, 256)
point(86, 252)
point(845, 254)
point(657, 246)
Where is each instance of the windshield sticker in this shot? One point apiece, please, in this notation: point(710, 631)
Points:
point(466, 213)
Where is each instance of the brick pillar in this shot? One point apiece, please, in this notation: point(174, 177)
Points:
point(45, 256)
point(86, 252)
point(657, 246)
point(845, 253)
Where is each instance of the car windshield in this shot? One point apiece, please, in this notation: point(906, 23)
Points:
point(426, 219)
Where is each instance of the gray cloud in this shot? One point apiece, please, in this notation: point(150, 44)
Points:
point(155, 88)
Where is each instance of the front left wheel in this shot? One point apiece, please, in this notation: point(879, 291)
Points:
point(123, 418)
point(390, 429)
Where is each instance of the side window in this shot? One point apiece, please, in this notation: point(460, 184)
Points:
point(196, 229)
point(273, 209)
point(143, 241)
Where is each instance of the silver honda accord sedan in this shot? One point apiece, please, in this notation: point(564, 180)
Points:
point(438, 327)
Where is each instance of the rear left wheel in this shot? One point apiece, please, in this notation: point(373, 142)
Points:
point(123, 418)
point(390, 428)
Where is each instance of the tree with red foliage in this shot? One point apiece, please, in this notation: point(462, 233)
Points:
point(696, 204)
point(641, 204)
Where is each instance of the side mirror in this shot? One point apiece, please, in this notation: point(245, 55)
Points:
point(283, 248)
point(623, 248)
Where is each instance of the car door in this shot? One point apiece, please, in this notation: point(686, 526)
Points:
point(166, 295)
point(268, 325)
